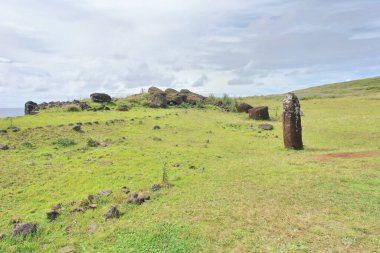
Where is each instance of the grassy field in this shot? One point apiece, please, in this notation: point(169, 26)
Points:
point(236, 188)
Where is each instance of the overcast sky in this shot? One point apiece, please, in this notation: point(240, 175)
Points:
point(66, 49)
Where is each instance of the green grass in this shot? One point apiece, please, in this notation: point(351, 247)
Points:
point(253, 196)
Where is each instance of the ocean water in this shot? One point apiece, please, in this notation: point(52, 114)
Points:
point(11, 112)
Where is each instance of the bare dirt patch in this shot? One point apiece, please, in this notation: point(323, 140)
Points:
point(347, 155)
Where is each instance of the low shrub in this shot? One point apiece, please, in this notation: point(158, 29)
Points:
point(122, 108)
point(65, 142)
point(92, 143)
point(72, 108)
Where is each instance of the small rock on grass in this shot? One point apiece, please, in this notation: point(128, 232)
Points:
point(4, 147)
point(104, 193)
point(155, 187)
point(156, 127)
point(77, 128)
point(125, 190)
point(266, 126)
point(52, 215)
point(24, 229)
point(67, 249)
point(15, 219)
point(2, 236)
point(112, 213)
point(138, 198)
point(92, 228)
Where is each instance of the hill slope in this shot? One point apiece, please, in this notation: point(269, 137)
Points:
point(236, 189)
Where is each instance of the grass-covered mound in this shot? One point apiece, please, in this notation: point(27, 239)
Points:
point(236, 189)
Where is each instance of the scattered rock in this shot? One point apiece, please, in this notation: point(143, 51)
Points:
point(78, 210)
point(24, 229)
point(52, 215)
point(138, 198)
point(202, 168)
point(104, 193)
point(2, 236)
point(92, 206)
point(67, 249)
point(259, 113)
point(192, 167)
point(3, 131)
point(92, 228)
point(100, 98)
point(177, 165)
point(15, 130)
point(57, 207)
point(125, 190)
point(84, 203)
point(77, 128)
point(157, 139)
point(4, 147)
point(156, 127)
point(112, 213)
point(155, 187)
point(244, 107)
point(266, 126)
point(91, 198)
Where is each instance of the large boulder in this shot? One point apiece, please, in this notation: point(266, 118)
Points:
point(173, 97)
point(157, 98)
point(30, 108)
point(244, 107)
point(100, 97)
point(259, 113)
point(191, 97)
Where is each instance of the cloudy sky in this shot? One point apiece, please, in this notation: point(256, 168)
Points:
point(66, 49)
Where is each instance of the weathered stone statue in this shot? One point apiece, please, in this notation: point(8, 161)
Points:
point(291, 117)
point(30, 108)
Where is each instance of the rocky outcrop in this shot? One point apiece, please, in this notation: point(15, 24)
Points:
point(157, 98)
point(191, 97)
point(244, 107)
point(31, 108)
point(173, 97)
point(291, 117)
point(259, 113)
point(100, 98)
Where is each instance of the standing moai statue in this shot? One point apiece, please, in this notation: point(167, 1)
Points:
point(30, 108)
point(292, 129)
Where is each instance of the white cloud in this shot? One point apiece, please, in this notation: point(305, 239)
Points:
point(67, 49)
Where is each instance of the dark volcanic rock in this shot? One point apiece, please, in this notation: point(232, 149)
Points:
point(4, 147)
point(155, 187)
point(156, 127)
point(259, 113)
point(100, 97)
point(30, 108)
point(138, 198)
point(15, 130)
point(24, 229)
point(266, 126)
point(112, 213)
point(157, 98)
point(292, 129)
point(3, 131)
point(77, 128)
point(173, 97)
point(52, 215)
point(244, 107)
point(191, 97)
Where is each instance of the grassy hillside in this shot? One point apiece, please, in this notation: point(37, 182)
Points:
point(236, 189)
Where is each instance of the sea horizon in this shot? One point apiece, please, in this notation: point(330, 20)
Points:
point(11, 112)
